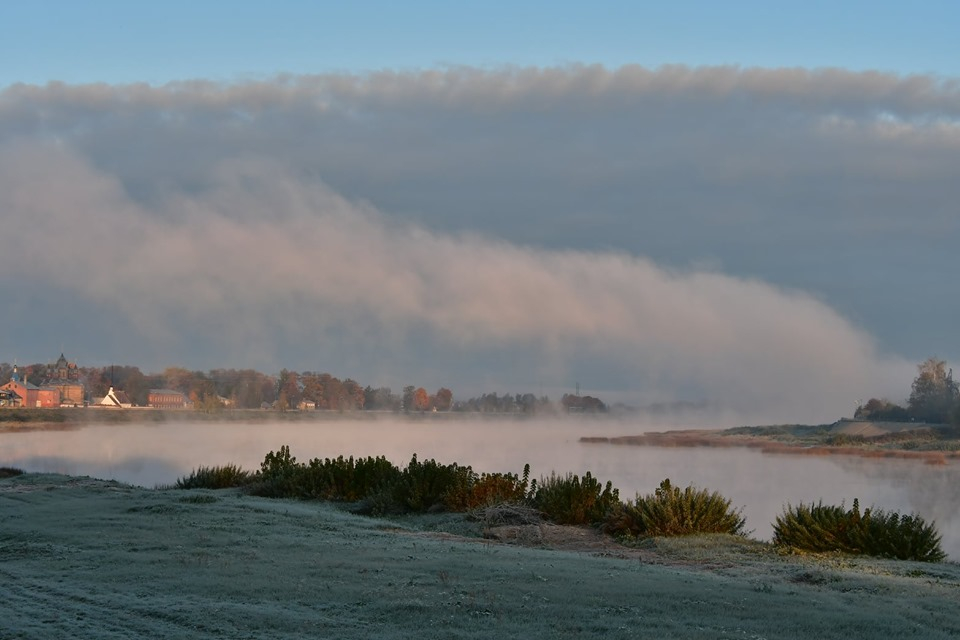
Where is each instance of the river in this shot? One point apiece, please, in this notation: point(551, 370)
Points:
point(760, 483)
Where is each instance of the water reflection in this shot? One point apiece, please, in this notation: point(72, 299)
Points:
point(153, 454)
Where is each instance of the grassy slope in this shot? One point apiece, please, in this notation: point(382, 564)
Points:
point(100, 560)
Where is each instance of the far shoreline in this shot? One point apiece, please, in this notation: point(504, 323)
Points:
point(933, 444)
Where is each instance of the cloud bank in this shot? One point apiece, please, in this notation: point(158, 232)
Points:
point(673, 233)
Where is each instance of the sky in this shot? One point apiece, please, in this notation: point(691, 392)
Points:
point(744, 206)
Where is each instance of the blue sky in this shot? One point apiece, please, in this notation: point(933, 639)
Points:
point(117, 41)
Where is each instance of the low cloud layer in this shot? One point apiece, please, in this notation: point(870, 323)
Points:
point(263, 254)
point(722, 234)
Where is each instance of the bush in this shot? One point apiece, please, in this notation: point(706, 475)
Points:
point(487, 490)
point(672, 512)
point(336, 479)
point(223, 477)
point(277, 476)
point(9, 472)
point(421, 486)
point(572, 500)
point(824, 528)
point(278, 465)
point(343, 479)
point(428, 485)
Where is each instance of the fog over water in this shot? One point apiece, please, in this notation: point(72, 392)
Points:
point(152, 454)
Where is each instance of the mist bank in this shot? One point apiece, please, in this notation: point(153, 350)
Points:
point(346, 283)
point(719, 235)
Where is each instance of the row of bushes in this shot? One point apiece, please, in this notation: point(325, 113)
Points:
point(379, 487)
point(376, 483)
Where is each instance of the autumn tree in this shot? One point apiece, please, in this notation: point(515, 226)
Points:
point(248, 388)
point(178, 379)
point(421, 399)
point(288, 388)
point(934, 394)
point(312, 388)
point(443, 400)
point(353, 395)
point(333, 394)
point(208, 402)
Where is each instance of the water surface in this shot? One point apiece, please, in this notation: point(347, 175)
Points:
point(152, 454)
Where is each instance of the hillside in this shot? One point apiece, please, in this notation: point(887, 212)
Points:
point(81, 558)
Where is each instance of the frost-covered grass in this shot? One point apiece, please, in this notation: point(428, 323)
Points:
point(90, 559)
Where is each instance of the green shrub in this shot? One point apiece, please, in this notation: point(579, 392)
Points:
point(571, 500)
point(420, 487)
point(814, 527)
point(344, 479)
point(278, 465)
point(824, 528)
point(224, 477)
point(9, 472)
point(370, 474)
point(672, 512)
point(425, 486)
point(277, 475)
point(487, 490)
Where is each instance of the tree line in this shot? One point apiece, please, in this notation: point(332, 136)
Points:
point(216, 389)
point(934, 398)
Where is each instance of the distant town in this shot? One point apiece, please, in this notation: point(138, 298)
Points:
point(66, 384)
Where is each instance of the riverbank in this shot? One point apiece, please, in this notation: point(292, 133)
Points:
point(83, 558)
point(929, 443)
point(13, 419)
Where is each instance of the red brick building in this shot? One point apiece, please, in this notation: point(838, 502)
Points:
point(31, 395)
point(65, 377)
point(166, 399)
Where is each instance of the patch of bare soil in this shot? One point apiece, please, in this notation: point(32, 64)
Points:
point(523, 526)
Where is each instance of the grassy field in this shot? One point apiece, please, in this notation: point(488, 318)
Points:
point(81, 558)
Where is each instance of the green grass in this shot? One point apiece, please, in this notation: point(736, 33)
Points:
point(23, 415)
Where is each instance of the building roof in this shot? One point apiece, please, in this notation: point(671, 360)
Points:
point(29, 386)
point(115, 398)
